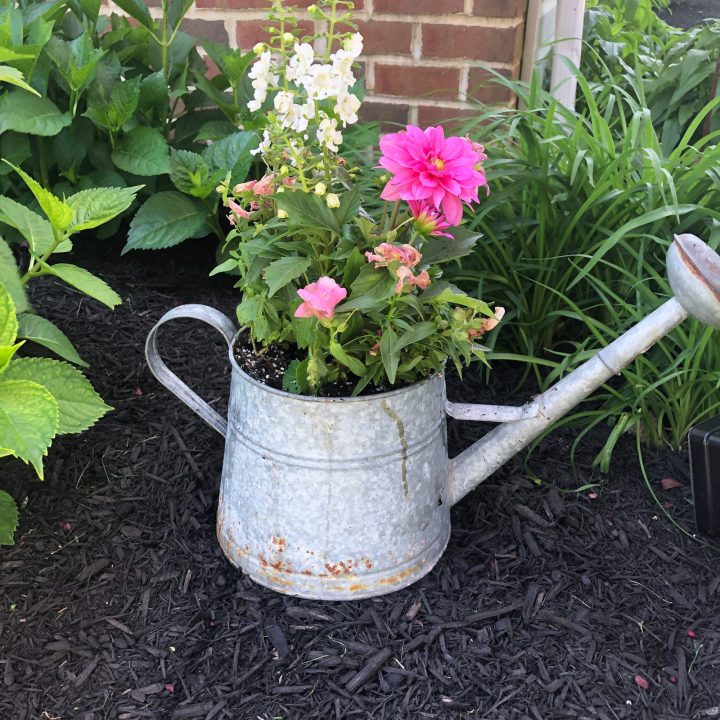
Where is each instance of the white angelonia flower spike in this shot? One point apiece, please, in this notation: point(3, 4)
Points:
point(262, 77)
point(354, 45)
point(321, 82)
point(299, 64)
point(329, 135)
point(346, 107)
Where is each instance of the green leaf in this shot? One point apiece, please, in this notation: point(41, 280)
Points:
point(28, 421)
point(26, 113)
point(112, 102)
point(232, 63)
point(41, 331)
point(154, 99)
point(86, 282)
point(15, 148)
point(389, 353)
point(138, 10)
point(8, 318)
point(415, 334)
point(307, 210)
point(7, 352)
point(370, 290)
point(143, 151)
point(455, 297)
point(356, 366)
point(10, 278)
point(190, 174)
point(79, 406)
point(166, 219)
point(76, 60)
point(57, 212)
point(97, 206)
point(177, 10)
point(8, 518)
point(34, 228)
point(280, 272)
point(14, 77)
point(232, 154)
point(214, 130)
point(349, 206)
point(441, 249)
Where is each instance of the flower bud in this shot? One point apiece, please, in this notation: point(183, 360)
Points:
point(392, 236)
point(288, 38)
point(260, 48)
point(320, 188)
point(282, 214)
point(220, 189)
point(312, 8)
point(332, 200)
point(284, 170)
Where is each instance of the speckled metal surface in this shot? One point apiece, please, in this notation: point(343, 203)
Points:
point(334, 498)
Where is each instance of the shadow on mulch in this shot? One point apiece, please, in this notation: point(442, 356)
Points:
point(117, 601)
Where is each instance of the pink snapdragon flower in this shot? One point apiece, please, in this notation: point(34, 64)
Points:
point(385, 253)
point(487, 324)
point(405, 277)
point(236, 210)
point(320, 298)
point(427, 166)
point(428, 219)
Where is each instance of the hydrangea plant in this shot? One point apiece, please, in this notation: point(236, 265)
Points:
point(345, 264)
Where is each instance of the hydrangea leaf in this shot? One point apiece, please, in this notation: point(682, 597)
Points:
point(143, 151)
point(28, 421)
point(8, 318)
point(8, 518)
point(26, 113)
point(97, 206)
point(166, 219)
point(79, 406)
point(56, 211)
point(41, 331)
point(86, 282)
point(232, 154)
point(10, 278)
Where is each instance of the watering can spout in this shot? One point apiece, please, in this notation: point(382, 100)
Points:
point(694, 275)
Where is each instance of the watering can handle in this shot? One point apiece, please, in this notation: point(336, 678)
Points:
point(172, 382)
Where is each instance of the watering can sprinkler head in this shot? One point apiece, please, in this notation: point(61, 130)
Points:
point(694, 274)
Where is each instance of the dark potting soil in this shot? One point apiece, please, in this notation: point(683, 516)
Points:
point(268, 366)
point(562, 594)
point(686, 13)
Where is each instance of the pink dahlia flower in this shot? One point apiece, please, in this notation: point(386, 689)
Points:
point(385, 253)
point(427, 166)
point(320, 298)
point(428, 219)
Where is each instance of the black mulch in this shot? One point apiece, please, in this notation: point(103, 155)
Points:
point(686, 13)
point(117, 602)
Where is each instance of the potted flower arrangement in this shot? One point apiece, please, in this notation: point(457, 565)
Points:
point(343, 291)
point(336, 468)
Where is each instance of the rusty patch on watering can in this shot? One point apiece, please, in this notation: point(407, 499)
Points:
point(277, 565)
point(702, 265)
point(403, 575)
point(403, 442)
point(279, 543)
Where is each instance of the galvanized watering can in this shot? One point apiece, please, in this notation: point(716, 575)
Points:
point(346, 498)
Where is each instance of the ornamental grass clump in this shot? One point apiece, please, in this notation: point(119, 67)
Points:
point(350, 286)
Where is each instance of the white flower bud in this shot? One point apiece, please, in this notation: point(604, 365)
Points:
point(332, 200)
point(282, 214)
point(320, 188)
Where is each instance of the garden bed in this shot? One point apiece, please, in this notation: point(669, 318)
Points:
point(117, 601)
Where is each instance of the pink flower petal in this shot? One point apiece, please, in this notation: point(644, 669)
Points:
point(640, 681)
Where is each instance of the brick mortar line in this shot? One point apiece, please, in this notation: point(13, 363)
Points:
point(406, 61)
point(464, 82)
point(425, 102)
point(416, 42)
point(239, 15)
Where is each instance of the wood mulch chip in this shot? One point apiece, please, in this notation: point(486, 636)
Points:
point(117, 603)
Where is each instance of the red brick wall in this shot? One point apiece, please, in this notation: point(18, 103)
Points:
point(421, 58)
